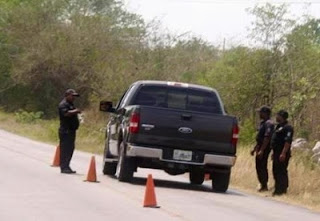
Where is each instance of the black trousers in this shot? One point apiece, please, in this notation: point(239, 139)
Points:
point(262, 167)
point(280, 173)
point(67, 140)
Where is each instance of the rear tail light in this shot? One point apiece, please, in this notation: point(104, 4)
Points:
point(134, 123)
point(235, 135)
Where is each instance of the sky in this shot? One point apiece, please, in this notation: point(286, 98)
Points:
point(212, 20)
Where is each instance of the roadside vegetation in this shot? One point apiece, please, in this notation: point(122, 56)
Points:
point(304, 178)
point(99, 48)
point(90, 137)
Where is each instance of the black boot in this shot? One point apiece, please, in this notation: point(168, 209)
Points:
point(68, 171)
point(263, 188)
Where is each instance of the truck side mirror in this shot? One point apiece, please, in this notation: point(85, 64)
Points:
point(106, 106)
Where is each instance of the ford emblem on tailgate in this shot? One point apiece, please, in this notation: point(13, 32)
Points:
point(185, 130)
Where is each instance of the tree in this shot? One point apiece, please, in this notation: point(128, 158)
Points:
point(302, 64)
point(95, 46)
point(60, 44)
point(269, 30)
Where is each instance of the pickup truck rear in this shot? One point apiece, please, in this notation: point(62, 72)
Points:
point(174, 127)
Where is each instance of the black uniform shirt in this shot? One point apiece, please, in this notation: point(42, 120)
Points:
point(283, 133)
point(67, 122)
point(265, 130)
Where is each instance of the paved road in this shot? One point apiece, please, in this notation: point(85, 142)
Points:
point(32, 190)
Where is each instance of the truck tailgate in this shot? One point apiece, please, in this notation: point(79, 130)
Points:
point(185, 130)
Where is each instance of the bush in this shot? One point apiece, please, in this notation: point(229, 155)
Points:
point(248, 132)
point(28, 117)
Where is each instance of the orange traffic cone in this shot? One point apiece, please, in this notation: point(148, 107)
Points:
point(150, 195)
point(207, 176)
point(56, 159)
point(92, 174)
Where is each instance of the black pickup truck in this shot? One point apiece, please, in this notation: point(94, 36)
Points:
point(175, 127)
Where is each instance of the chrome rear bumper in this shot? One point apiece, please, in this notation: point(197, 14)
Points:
point(209, 159)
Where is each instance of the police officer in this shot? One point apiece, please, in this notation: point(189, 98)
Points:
point(281, 145)
point(69, 123)
point(262, 148)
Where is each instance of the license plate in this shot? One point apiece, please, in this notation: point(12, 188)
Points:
point(182, 155)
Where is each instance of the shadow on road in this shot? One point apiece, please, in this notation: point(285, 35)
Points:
point(159, 183)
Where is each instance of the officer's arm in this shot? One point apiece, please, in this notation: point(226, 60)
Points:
point(265, 143)
point(70, 113)
point(288, 140)
point(267, 137)
point(286, 147)
point(64, 110)
point(254, 150)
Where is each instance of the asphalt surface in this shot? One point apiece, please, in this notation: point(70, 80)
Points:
point(32, 190)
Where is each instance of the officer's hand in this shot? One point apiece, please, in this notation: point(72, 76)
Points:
point(282, 157)
point(260, 154)
point(252, 152)
point(78, 111)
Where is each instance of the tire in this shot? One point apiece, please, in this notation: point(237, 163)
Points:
point(108, 168)
point(125, 166)
point(196, 176)
point(220, 181)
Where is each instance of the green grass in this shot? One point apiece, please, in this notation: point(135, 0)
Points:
point(90, 137)
point(42, 130)
point(304, 175)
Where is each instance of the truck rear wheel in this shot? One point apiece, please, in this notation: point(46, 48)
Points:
point(220, 181)
point(196, 176)
point(109, 168)
point(125, 167)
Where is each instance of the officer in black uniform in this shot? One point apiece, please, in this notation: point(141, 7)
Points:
point(281, 145)
point(69, 123)
point(262, 148)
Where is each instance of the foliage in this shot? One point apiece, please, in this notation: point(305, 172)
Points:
point(248, 131)
point(94, 46)
point(282, 72)
point(28, 117)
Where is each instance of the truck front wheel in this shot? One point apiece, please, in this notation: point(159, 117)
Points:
point(196, 176)
point(108, 168)
point(220, 181)
point(125, 167)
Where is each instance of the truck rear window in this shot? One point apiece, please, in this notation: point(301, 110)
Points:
point(178, 98)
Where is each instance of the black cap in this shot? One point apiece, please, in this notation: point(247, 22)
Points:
point(265, 109)
point(284, 114)
point(71, 91)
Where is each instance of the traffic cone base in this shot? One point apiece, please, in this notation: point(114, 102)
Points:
point(56, 159)
point(92, 173)
point(155, 207)
point(150, 200)
point(91, 181)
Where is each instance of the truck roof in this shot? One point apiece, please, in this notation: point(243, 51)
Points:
point(195, 86)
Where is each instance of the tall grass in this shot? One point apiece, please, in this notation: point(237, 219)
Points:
point(90, 136)
point(42, 130)
point(304, 178)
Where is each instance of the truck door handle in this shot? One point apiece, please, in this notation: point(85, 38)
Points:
point(186, 116)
